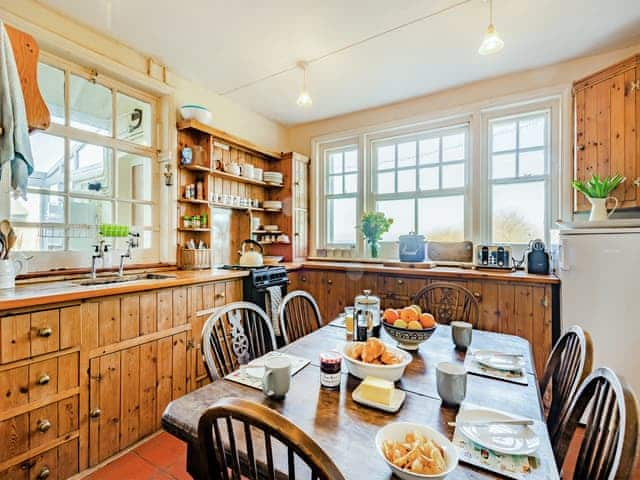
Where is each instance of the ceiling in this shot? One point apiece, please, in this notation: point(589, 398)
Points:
point(223, 45)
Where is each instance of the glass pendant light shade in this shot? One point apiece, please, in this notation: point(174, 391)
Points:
point(492, 42)
point(304, 99)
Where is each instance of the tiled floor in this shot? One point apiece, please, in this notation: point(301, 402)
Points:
point(162, 457)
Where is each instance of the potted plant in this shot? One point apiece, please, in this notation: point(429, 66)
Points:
point(598, 191)
point(373, 225)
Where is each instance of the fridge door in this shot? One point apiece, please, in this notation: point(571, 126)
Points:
point(599, 292)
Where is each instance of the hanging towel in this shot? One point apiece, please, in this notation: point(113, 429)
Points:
point(273, 301)
point(15, 147)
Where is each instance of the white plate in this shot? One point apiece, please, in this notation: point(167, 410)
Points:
point(397, 399)
point(499, 361)
point(507, 439)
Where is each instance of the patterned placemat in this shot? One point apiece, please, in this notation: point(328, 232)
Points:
point(249, 374)
point(514, 376)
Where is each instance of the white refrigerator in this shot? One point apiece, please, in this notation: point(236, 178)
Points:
point(599, 271)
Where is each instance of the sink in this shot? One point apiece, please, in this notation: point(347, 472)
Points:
point(117, 279)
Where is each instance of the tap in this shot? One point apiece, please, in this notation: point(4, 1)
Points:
point(99, 251)
point(132, 242)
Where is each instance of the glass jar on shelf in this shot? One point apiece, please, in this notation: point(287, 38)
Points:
point(186, 221)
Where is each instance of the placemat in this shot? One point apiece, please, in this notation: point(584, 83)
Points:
point(242, 374)
point(514, 376)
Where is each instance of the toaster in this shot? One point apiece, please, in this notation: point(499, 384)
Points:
point(493, 256)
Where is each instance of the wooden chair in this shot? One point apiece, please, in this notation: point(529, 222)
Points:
point(233, 422)
point(568, 365)
point(299, 315)
point(609, 446)
point(234, 335)
point(448, 302)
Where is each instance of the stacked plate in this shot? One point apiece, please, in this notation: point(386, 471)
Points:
point(272, 204)
point(273, 177)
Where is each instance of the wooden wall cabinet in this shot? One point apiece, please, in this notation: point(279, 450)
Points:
point(606, 122)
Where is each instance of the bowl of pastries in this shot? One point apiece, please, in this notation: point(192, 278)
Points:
point(375, 358)
point(415, 451)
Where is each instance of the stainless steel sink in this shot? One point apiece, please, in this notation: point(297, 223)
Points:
point(128, 278)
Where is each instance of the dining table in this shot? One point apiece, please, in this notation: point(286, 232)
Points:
point(346, 429)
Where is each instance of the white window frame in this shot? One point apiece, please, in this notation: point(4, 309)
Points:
point(44, 260)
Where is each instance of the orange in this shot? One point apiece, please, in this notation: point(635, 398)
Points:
point(400, 324)
point(427, 320)
point(390, 315)
point(416, 308)
point(414, 325)
point(409, 314)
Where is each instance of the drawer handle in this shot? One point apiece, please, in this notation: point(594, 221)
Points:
point(400, 282)
point(219, 295)
point(330, 282)
point(304, 279)
point(44, 425)
point(95, 413)
point(44, 379)
point(45, 332)
point(478, 295)
point(44, 473)
point(580, 147)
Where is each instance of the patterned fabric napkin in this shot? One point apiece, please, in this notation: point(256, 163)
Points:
point(514, 376)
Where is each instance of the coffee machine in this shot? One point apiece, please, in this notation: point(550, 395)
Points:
point(536, 259)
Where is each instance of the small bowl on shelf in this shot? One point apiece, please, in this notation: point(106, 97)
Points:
point(407, 338)
point(196, 112)
point(271, 228)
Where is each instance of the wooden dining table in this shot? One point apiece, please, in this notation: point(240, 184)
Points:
point(346, 430)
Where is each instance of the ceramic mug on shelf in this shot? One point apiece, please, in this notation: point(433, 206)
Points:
point(232, 168)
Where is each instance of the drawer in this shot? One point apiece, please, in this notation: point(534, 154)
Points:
point(395, 286)
point(32, 334)
point(58, 463)
point(52, 376)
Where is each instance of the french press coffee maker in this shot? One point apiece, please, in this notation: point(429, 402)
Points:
point(366, 317)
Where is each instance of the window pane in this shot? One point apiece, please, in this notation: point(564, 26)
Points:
point(48, 162)
point(532, 132)
point(441, 219)
point(90, 106)
point(386, 182)
point(406, 154)
point(351, 161)
point(90, 212)
point(429, 178)
point(335, 184)
point(402, 212)
point(429, 151)
point(134, 177)
point(38, 208)
point(341, 220)
point(91, 167)
point(335, 162)
point(518, 212)
point(453, 147)
point(351, 183)
point(51, 83)
point(503, 165)
point(407, 180)
point(39, 238)
point(386, 157)
point(133, 122)
point(453, 175)
point(134, 214)
point(503, 136)
point(532, 163)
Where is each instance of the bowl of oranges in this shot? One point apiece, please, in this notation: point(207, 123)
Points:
point(408, 326)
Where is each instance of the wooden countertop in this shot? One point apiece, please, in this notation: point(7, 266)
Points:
point(445, 272)
point(30, 294)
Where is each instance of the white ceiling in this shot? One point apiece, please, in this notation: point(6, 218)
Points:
point(223, 44)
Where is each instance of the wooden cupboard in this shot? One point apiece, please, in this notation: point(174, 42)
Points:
point(606, 120)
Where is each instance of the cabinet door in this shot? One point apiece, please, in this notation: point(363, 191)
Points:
point(300, 234)
point(336, 298)
point(300, 181)
point(315, 282)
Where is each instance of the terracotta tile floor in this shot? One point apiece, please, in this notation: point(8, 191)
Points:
point(162, 457)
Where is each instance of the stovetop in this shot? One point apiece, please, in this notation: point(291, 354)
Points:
point(243, 267)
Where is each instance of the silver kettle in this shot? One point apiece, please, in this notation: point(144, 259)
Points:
point(251, 257)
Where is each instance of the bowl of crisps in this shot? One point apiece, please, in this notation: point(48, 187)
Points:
point(375, 358)
point(415, 451)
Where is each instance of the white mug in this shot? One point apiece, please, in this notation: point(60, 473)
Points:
point(277, 377)
point(8, 271)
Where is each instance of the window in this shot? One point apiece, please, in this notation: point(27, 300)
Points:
point(340, 193)
point(518, 177)
point(94, 165)
point(420, 182)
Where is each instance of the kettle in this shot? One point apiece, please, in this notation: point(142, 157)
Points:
point(250, 258)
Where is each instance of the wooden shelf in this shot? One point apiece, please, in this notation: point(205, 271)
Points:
point(183, 229)
point(266, 232)
point(227, 137)
point(274, 243)
point(193, 200)
point(235, 207)
point(196, 168)
point(238, 178)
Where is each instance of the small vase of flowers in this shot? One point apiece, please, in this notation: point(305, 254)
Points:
point(373, 225)
point(598, 191)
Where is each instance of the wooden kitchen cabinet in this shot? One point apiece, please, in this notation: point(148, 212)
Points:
point(327, 288)
point(606, 119)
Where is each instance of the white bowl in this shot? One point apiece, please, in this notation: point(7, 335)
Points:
point(271, 228)
point(397, 431)
point(361, 369)
point(196, 112)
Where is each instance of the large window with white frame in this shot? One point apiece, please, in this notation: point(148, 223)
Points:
point(340, 194)
point(96, 164)
point(519, 179)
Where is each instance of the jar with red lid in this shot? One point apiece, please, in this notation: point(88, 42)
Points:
point(330, 367)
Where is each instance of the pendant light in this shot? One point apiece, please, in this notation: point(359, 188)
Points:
point(304, 99)
point(492, 42)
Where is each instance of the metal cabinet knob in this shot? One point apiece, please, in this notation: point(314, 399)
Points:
point(45, 332)
point(304, 279)
point(580, 147)
point(43, 379)
point(400, 282)
point(95, 412)
point(478, 295)
point(330, 282)
point(636, 182)
point(44, 473)
point(219, 295)
point(44, 425)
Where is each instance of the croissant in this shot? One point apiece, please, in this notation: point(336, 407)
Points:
point(388, 358)
point(356, 351)
point(373, 349)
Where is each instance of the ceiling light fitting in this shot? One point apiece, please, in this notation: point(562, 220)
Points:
point(304, 99)
point(492, 42)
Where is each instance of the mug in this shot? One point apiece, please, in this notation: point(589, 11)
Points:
point(461, 333)
point(8, 271)
point(277, 377)
point(451, 379)
point(246, 170)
